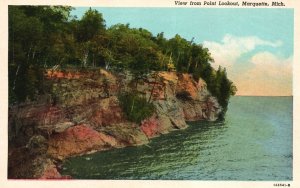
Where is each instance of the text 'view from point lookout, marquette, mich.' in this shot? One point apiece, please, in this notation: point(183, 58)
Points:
point(229, 3)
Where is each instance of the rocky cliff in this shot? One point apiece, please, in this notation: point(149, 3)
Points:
point(82, 114)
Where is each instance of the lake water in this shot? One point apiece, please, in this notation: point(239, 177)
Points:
point(253, 143)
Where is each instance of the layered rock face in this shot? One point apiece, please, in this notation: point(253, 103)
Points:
point(83, 115)
point(179, 98)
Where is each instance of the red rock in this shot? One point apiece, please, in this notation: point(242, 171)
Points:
point(36, 119)
point(150, 127)
point(109, 113)
point(51, 173)
point(77, 75)
point(187, 85)
point(78, 140)
point(69, 75)
point(59, 74)
point(41, 115)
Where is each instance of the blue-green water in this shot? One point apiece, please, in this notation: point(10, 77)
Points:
point(253, 143)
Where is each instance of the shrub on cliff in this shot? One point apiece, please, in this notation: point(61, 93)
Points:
point(136, 108)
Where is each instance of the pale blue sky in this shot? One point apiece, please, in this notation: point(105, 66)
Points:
point(207, 24)
point(255, 45)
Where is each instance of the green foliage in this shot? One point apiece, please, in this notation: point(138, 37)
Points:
point(44, 36)
point(32, 30)
point(223, 88)
point(90, 25)
point(189, 57)
point(90, 38)
point(133, 48)
point(136, 108)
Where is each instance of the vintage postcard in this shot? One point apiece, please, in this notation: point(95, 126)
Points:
point(140, 93)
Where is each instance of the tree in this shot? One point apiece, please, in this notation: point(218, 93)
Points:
point(223, 89)
point(30, 28)
point(90, 25)
point(90, 32)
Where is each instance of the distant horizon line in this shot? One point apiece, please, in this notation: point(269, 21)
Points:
point(264, 95)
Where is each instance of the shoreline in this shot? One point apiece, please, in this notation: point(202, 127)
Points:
point(87, 116)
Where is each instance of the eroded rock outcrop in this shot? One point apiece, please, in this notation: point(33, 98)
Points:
point(78, 140)
point(106, 113)
point(84, 115)
point(150, 127)
point(51, 172)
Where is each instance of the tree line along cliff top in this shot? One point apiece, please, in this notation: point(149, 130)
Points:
point(42, 37)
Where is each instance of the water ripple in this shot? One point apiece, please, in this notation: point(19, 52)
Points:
point(254, 143)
